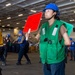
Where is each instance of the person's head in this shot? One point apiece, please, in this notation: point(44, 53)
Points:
point(20, 33)
point(51, 11)
point(8, 35)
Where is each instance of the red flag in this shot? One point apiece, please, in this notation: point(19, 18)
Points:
point(33, 22)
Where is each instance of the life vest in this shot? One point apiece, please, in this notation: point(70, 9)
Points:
point(52, 50)
point(23, 43)
point(1, 39)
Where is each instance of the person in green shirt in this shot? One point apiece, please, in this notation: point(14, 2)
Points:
point(53, 38)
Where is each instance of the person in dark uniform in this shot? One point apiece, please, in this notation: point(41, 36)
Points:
point(72, 49)
point(23, 45)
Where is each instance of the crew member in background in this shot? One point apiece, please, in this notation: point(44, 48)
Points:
point(22, 43)
point(72, 50)
point(2, 50)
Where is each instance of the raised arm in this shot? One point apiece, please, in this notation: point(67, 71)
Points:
point(32, 38)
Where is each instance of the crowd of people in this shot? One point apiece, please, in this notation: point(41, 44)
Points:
point(20, 46)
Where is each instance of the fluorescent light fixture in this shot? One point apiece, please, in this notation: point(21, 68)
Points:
point(3, 26)
point(20, 15)
point(72, 20)
point(17, 23)
point(8, 17)
point(33, 11)
point(74, 11)
point(8, 24)
point(8, 4)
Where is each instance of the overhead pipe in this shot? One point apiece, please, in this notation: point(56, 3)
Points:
point(31, 3)
point(69, 3)
point(14, 4)
point(1, 1)
point(67, 8)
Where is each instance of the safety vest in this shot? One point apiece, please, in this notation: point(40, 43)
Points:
point(23, 43)
point(1, 39)
point(52, 50)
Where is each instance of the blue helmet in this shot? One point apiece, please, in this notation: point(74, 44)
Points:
point(20, 32)
point(52, 6)
point(8, 35)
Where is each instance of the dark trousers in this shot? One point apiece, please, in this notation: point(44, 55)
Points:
point(21, 53)
point(26, 56)
point(54, 69)
point(2, 54)
point(2, 58)
point(5, 51)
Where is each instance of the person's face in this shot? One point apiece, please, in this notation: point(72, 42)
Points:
point(49, 13)
point(19, 34)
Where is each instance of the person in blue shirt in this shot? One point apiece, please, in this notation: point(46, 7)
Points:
point(22, 43)
point(72, 49)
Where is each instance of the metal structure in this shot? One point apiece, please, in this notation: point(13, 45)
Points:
point(13, 13)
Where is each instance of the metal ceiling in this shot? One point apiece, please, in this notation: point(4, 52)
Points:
point(67, 11)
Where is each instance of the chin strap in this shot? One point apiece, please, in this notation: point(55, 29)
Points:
point(50, 17)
